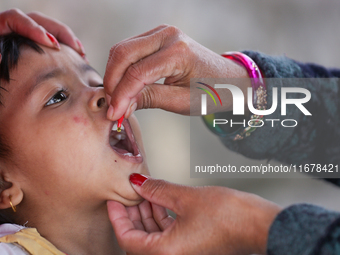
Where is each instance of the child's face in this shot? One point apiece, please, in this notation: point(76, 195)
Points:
point(54, 118)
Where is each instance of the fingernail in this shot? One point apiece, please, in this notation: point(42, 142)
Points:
point(85, 58)
point(132, 108)
point(138, 179)
point(81, 47)
point(53, 40)
point(110, 112)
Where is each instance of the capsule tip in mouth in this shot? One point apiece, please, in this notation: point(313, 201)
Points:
point(119, 124)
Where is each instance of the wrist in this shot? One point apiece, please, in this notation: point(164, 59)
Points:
point(264, 218)
point(237, 71)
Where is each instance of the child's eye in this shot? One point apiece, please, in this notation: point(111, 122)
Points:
point(57, 97)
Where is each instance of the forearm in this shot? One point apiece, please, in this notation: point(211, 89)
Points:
point(299, 229)
point(305, 229)
point(315, 139)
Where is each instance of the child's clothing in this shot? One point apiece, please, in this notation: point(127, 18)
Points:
point(19, 240)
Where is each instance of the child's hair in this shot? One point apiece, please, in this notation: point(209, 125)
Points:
point(10, 46)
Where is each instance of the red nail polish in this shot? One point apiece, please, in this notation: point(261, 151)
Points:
point(83, 55)
point(119, 124)
point(53, 40)
point(138, 179)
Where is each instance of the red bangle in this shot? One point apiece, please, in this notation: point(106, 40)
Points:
point(259, 90)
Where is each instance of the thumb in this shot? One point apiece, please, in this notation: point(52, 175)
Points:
point(173, 98)
point(160, 192)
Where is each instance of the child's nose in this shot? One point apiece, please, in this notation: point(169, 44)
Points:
point(97, 100)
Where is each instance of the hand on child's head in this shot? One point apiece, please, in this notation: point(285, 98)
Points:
point(62, 145)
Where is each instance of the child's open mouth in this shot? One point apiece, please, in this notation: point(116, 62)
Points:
point(124, 142)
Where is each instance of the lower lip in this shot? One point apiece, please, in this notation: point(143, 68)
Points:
point(128, 156)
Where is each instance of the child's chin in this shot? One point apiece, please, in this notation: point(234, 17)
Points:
point(133, 202)
point(132, 199)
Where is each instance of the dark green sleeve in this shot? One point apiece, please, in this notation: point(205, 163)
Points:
point(299, 229)
point(305, 229)
point(316, 138)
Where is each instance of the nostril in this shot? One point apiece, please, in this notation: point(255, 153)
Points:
point(101, 102)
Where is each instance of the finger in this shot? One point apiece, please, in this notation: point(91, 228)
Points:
point(171, 98)
point(119, 216)
point(127, 52)
point(147, 217)
point(124, 54)
point(147, 33)
point(61, 31)
point(129, 239)
point(135, 217)
point(163, 193)
point(163, 219)
point(16, 21)
point(147, 71)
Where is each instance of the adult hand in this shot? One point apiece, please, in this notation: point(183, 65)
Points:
point(143, 216)
point(210, 220)
point(135, 64)
point(39, 28)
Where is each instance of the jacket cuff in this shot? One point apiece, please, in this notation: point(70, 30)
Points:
point(300, 229)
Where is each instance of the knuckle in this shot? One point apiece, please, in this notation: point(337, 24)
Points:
point(118, 52)
point(134, 73)
point(172, 30)
point(11, 12)
point(10, 16)
point(149, 97)
point(15, 11)
point(181, 47)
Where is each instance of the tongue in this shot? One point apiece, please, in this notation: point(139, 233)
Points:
point(123, 146)
point(122, 151)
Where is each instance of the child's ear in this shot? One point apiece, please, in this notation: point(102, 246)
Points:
point(10, 192)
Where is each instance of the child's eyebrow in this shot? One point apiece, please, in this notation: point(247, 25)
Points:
point(43, 77)
point(55, 73)
point(85, 67)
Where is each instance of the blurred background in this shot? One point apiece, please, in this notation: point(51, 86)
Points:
point(305, 30)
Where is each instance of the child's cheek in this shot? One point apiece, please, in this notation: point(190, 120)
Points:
point(80, 120)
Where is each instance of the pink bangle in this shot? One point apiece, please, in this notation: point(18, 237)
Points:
point(259, 90)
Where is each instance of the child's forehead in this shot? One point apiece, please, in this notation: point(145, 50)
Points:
point(34, 67)
point(49, 56)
